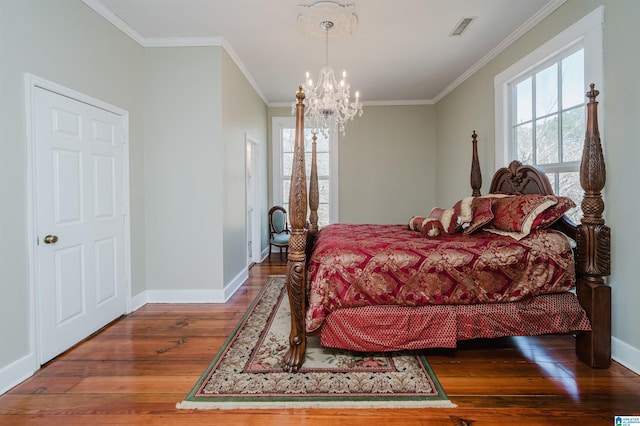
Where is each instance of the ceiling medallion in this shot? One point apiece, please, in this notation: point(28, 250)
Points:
point(342, 16)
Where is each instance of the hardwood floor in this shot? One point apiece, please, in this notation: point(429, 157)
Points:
point(136, 370)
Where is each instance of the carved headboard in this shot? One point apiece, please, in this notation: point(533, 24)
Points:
point(519, 178)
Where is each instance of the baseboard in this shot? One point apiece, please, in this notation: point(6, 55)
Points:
point(138, 301)
point(17, 372)
point(20, 370)
point(231, 288)
point(190, 296)
point(265, 254)
point(625, 354)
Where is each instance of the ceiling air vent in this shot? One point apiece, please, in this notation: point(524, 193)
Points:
point(461, 27)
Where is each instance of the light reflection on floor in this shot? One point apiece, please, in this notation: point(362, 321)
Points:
point(531, 349)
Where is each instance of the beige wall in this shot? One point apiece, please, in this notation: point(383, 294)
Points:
point(471, 106)
point(243, 114)
point(65, 42)
point(183, 168)
point(199, 108)
point(387, 164)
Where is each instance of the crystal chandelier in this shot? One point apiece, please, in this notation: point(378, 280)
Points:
point(328, 104)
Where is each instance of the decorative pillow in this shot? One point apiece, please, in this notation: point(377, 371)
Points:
point(517, 213)
point(432, 228)
point(482, 215)
point(447, 217)
point(464, 210)
point(429, 227)
point(415, 223)
point(553, 213)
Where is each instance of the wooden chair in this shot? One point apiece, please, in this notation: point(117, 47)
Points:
point(278, 230)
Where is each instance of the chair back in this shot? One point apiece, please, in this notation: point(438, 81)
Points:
point(278, 220)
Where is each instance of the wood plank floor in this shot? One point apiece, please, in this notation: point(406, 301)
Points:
point(136, 370)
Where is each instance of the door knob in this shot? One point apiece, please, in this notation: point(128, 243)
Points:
point(50, 239)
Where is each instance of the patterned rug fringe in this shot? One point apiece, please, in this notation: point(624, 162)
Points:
point(263, 405)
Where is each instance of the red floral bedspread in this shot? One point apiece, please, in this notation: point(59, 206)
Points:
point(365, 265)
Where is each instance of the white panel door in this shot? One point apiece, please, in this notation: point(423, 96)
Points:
point(79, 216)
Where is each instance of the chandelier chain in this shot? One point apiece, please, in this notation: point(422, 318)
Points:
point(326, 41)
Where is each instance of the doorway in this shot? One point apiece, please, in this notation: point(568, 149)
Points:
point(254, 224)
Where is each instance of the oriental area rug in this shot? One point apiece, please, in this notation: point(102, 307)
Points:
point(247, 372)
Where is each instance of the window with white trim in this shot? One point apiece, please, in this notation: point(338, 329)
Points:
point(283, 142)
point(541, 106)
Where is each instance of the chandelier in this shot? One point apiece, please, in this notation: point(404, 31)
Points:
point(328, 104)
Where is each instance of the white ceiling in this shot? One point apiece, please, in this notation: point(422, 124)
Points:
point(399, 53)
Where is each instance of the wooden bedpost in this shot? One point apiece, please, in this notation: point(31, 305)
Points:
point(593, 257)
point(314, 199)
point(314, 193)
point(296, 261)
point(476, 175)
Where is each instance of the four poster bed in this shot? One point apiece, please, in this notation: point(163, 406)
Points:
point(494, 265)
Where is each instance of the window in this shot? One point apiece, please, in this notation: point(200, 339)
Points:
point(548, 122)
point(541, 105)
point(283, 140)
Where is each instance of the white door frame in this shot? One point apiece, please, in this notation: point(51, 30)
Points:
point(254, 234)
point(31, 83)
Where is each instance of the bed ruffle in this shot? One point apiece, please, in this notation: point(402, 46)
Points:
point(391, 328)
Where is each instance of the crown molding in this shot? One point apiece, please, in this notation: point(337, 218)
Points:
point(400, 102)
point(99, 8)
point(235, 58)
point(182, 41)
point(407, 102)
point(547, 10)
